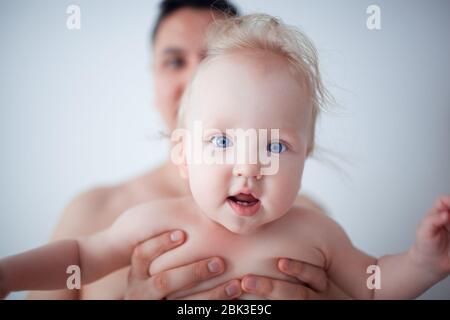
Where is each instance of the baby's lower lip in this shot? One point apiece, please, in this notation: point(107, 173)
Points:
point(244, 210)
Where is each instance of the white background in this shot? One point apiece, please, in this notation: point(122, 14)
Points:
point(76, 112)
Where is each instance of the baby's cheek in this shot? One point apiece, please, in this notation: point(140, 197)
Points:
point(209, 185)
point(284, 191)
point(284, 187)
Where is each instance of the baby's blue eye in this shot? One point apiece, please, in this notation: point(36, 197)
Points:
point(276, 147)
point(221, 141)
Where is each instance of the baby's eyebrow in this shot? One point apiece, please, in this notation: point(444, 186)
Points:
point(291, 133)
point(288, 132)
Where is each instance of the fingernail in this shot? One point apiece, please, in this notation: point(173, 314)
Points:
point(231, 289)
point(176, 236)
point(285, 263)
point(213, 266)
point(251, 283)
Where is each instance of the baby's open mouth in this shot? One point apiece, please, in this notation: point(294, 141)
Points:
point(244, 199)
point(244, 204)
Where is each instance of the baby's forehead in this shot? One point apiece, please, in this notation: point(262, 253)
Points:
point(246, 72)
point(247, 85)
point(254, 62)
point(230, 94)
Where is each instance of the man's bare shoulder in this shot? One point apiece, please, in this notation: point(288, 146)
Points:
point(92, 211)
point(161, 182)
point(98, 208)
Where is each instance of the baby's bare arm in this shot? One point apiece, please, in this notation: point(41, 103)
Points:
point(401, 276)
point(43, 268)
point(96, 255)
point(346, 265)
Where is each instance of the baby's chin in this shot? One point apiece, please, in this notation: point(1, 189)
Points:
point(239, 225)
point(240, 230)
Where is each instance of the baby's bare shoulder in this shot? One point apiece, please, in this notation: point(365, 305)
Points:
point(314, 223)
point(161, 209)
point(307, 214)
point(305, 225)
point(147, 220)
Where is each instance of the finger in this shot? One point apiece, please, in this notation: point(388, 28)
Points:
point(446, 218)
point(313, 276)
point(446, 201)
point(227, 291)
point(434, 223)
point(442, 203)
point(167, 282)
point(147, 251)
point(274, 289)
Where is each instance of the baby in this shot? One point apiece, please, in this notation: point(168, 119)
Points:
point(260, 81)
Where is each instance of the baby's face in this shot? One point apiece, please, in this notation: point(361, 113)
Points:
point(249, 91)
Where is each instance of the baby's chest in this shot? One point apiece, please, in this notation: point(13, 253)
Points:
point(242, 255)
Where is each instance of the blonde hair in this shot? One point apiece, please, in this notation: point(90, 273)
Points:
point(267, 33)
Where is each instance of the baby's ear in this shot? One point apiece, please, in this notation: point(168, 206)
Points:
point(179, 152)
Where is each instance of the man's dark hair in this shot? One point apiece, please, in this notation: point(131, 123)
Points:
point(167, 7)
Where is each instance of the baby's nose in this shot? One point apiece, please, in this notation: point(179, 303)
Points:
point(247, 170)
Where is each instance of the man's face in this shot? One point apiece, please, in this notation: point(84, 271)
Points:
point(178, 49)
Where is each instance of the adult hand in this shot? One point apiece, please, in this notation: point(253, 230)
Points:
point(142, 285)
point(315, 279)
